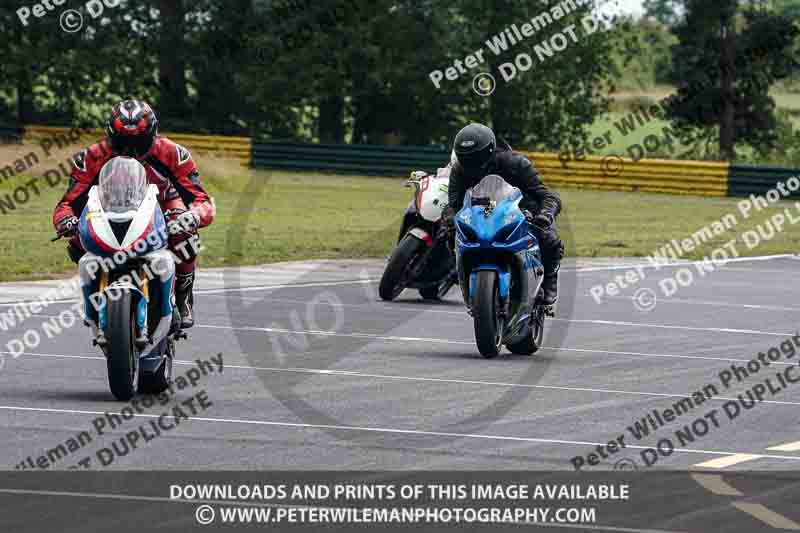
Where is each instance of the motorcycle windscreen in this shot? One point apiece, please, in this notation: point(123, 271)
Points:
point(495, 189)
point(122, 186)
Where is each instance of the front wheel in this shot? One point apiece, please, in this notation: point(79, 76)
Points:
point(394, 277)
point(486, 308)
point(122, 358)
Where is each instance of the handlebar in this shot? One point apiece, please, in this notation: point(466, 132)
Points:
point(416, 177)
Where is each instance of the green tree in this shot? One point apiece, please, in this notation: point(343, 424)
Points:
point(787, 8)
point(550, 105)
point(726, 60)
point(666, 12)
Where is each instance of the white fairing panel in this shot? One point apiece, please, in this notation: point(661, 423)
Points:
point(433, 199)
point(143, 217)
point(99, 219)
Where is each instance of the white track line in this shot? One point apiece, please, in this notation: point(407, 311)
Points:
point(337, 334)
point(708, 302)
point(768, 516)
point(724, 462)
point(788, 447)
point(230, 289)
point(447, 341)
point(391, 431)
point(664, 326)
point(454, 381)
point(255, 288)
point(547, 348)
point(402, 305)
point(286, 286)
point(346, 373)
point(674, 264)
point(715, 484)
point(645, 354)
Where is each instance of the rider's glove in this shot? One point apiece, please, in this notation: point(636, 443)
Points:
point(448, 227)
point(542, 221)
point(186, 222)
point(67, 227)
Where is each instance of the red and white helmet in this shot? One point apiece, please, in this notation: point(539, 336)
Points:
point(132, 128)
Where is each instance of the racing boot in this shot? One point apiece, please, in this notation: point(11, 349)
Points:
point(550, 287)
point(184, 298)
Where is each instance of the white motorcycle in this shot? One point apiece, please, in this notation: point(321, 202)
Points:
point(422, 260)
point(128, 280)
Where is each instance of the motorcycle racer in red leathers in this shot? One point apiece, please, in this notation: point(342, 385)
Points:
point(132, 130)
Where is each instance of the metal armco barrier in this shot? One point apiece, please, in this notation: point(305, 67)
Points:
point(10, 133)
point(356, 159)
point(745, 180)
point(614, 173)
point(611, 173)
point(239, 148)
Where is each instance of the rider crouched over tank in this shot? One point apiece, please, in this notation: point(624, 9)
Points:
point(132, 131)
point(478, 155)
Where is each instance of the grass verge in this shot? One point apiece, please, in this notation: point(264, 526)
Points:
point(298, 216)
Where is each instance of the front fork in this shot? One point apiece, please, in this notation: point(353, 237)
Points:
point(96, 280)
point(98, 320)
point(504, 281)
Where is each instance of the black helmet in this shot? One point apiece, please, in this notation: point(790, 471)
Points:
point(132, 128)
point(474, 147)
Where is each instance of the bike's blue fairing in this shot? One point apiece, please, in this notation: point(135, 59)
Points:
point(494, 235)
point(501, 229)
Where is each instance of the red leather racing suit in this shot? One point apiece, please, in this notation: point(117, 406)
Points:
point(169, 166)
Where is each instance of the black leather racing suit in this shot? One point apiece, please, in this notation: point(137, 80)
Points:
point(518, 171)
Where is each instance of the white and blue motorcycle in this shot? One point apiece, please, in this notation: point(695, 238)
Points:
point(500, 269)
point(127, 277)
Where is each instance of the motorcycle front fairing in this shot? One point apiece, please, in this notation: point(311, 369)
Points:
point(421, 220)
point(492, 234)
point(143, 236)
point(427, 204)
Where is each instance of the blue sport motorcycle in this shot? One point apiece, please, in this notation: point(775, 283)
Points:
point(500, 269)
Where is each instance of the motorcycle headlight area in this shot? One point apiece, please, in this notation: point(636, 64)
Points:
point(467, 233)
point(510, 225)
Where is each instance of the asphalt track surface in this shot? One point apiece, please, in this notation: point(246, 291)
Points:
point(320, 374)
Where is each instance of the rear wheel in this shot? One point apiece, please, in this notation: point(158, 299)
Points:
point(438, 291)
point(531, 344)
point(121, 355)
point(394, 279)
point(158, 381)
point(486, 307)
